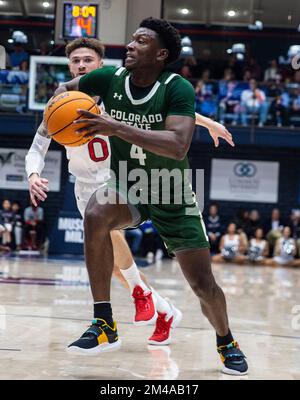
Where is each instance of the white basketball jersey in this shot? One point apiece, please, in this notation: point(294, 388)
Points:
point(261, 245)
point(231, 241)
point(90, 163)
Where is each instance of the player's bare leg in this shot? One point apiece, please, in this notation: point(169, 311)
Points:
point(196, 267)
point(99, 221)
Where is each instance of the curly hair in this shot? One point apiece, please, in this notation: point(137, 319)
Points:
point(89, 43)
point(169, 36)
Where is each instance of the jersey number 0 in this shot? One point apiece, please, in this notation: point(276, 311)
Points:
point(94, 147)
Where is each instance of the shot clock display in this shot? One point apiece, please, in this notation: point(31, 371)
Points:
point(80, 20)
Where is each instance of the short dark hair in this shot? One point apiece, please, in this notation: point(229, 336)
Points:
point(168, 36)
point(89, 43)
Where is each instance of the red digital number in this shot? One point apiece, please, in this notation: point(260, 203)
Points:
point(85, 23)
point(92, 150)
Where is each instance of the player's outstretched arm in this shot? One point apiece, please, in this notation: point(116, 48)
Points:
point(216, 130)
point(34, 165)
point(71, 85)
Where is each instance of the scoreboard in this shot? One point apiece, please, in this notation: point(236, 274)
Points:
point(76, 19)
point(80, 20)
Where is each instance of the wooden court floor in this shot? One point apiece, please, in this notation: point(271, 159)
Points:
point(46, 303)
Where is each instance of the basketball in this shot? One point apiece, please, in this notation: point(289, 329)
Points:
point(60, 113)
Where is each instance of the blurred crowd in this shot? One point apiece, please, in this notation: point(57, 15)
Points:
point(232, 92)
point(246, 238)
point(249, 238)
point(272, 101)
point(21, 229)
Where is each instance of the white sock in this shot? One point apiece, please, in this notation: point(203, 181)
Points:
point(133, 277)
point(161, 305)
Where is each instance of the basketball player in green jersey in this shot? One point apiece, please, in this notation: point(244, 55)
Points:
point(150, 121)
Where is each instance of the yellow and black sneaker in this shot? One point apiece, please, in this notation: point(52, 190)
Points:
point(233, 359)
point(100, 337)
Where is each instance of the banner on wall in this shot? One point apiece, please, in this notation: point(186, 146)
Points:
point(13, 174)
point(244, 180)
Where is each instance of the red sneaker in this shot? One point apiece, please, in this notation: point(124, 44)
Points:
point(145, 312)
point(162, 333)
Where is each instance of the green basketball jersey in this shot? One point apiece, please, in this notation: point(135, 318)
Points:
point(170, 95)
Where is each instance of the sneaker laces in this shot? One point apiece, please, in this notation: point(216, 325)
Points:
point(232, 351)
point(141, 300)
point(94, 329)
point(162, 326)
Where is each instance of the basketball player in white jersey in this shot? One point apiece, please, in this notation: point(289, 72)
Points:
point(90, 165)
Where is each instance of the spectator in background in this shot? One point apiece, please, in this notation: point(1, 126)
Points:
point(253, 223)
point(44, 48)
point(294, 225)
point(279, 109)
point(253, 101)
point(258, 248)
point(18, 56)
point(152, 245)
point(206, 75)
point(272, 74)
point(186, 72)
point(227, 77)
point(3, 248)
point(255, 69)
point(242, 224)
point(34, 227)
point(20, 76)
point(242, 220)
point(214, 228)
point(17, 226)
point(273, 228)
point(296, 77)
point(205, 62)
point(7, 221)
point(205, 101)
point(246, 78)
point(232, 247)
point(230, 103)
point(189, 67)
point(236, 66)
point(296, 101)
point(285, 251)
point(134, 238)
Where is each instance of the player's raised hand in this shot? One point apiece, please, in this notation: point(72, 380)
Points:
point(217, 131)
point(38, 188)
point(95, 124)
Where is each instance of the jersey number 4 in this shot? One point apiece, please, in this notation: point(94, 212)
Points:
point(98, 149)
point(137, 153)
